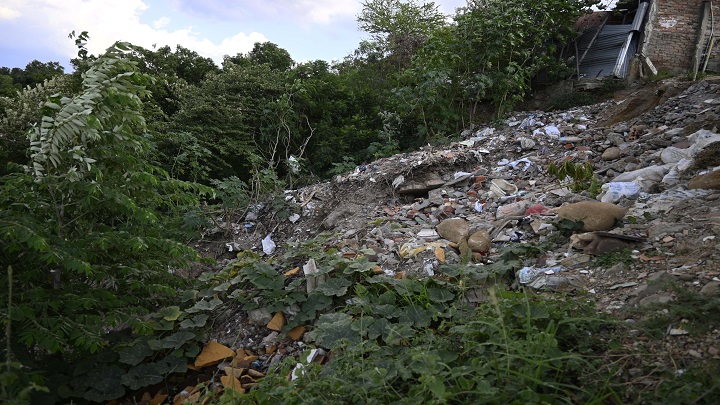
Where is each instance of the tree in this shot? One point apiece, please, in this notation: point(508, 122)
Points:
point(20, 112)
point(399, 27)
point(265, 53)
point(88, 226)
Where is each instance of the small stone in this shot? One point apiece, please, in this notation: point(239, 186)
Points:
point(695, 354)
point(234, 372)
point(611, 153)
point(479, 241)
point(711, 289)
point(440, 255)
point(260, 316)
point(657, 299)
point(713, 351)
point(428, 234)
point(270, 339)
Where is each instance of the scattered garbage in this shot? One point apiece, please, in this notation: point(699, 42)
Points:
point(615, 191)
point(312, 276)
point(528, 274)
point(500, 188)
point(268, 245)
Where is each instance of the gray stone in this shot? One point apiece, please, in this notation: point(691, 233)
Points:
point(260, 317)
point(611, 153)
point(655, 299)
point(711, 289)
point(421, 184)
point(436, 197)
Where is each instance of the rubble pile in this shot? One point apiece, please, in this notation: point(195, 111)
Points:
point(652, 189)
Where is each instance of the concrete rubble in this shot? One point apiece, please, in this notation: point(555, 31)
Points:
point(657, 202)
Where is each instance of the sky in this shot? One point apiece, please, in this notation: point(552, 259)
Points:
point(307, 29)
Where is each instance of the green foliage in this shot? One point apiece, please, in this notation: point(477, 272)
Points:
point(582, 175)
point(562, 99)
point(399, 27)
point(491, 53)
point(35, 72)
point(610, 259)
point(19, 113)
point(413, 341)
point(88, 229)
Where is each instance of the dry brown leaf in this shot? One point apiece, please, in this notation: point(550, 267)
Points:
point(277, 322)
point(158, 399)
point(293, 272)
point(213, 353)
point(231, 383)
point(234, 372)
point(440, 255)
point(296, 332)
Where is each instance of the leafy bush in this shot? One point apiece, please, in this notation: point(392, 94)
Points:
point(88, 226)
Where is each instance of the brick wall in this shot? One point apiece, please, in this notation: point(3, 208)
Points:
point(671, 45)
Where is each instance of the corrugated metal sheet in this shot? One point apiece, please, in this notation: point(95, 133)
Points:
point(601, 59)
point(613, 48)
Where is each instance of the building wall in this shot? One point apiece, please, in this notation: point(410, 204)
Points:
point(672, 35)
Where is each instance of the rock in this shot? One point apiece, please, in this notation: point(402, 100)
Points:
point(421, 184)
point(599, 243)
point(213, 353)
point(428, 234)
point(595, 215)
point(513, 209)
point(260, 316)
point(655, 299)
point(611, 153)
point(270, 339)
point(479, 241)
point(656, 283)
point(711, 289)
point(453, 229)
point(707, 181)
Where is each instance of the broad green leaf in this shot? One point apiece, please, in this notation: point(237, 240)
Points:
point(197, 321)
point(170, 313)
point(173, 341)
point(335, 286)
point(205, 306)
point(143, 375)
point(440, 294)
point(133, 355)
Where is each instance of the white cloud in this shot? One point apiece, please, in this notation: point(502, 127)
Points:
point(301, 12)
point(110, 21)
point(7, 13)
point(161, 23)
point(324, 11)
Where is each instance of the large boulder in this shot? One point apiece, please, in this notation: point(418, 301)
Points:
point(595, 215)
point(707, 181)
point(454, 229)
